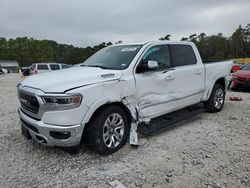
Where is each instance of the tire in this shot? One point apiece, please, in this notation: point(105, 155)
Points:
point(216, 100)
point(108, 130)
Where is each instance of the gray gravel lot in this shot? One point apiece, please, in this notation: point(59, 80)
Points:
point(208, 150)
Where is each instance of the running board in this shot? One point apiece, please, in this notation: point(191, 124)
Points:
point(169, 120)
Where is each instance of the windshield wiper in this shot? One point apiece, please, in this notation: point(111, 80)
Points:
point(99, 66)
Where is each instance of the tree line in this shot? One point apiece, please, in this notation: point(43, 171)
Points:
point(29, 50)
point(219, 47)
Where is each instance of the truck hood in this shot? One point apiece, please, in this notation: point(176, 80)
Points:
point(242, 74)
point(61, 80)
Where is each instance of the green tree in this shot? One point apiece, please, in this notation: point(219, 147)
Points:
point(167, 37)
point(238, 42)
point(28, 50)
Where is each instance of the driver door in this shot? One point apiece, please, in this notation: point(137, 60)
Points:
point(151, 85)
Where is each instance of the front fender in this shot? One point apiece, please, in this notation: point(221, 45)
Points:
point(109, 100)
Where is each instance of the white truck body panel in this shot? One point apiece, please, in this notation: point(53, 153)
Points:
point(213, 73)
point(61, 80)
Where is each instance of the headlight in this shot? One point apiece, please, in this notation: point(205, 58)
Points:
point(62, 102)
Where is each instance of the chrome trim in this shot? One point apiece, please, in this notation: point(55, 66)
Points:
point(113, 130)
point(44, 132)
point(39, 113)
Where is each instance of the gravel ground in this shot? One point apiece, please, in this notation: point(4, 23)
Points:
point(208, 150)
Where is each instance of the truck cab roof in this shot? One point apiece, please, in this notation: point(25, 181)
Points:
point(155, 43)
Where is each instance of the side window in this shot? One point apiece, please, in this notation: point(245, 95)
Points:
point(42, 67)
point(54, 67)
point(160, 54)
point(182, 55)
point(65, 66)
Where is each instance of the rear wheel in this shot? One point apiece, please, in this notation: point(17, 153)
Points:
point(216, 100)
point(108, 130)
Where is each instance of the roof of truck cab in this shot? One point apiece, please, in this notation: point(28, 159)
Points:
point(42, 63)
point(154, 42)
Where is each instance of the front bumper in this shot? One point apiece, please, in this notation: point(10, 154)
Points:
point(41, 132)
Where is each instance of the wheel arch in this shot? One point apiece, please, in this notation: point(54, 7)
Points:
point(98, 109)
point(221, 80)
point(99, 106)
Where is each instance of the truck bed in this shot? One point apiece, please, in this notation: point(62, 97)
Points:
point(214, 71)
point(212, 61)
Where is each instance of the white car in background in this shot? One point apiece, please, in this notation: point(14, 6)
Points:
point(4, 70)
point(38, 68)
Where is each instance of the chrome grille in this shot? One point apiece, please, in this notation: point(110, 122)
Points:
point(28, 102)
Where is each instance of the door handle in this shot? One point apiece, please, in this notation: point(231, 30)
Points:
point(197, 72)
point(169, 78)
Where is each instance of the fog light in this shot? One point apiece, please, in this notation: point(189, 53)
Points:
point(60, 135)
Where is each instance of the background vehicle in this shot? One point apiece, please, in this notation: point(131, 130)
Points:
point(1, 71)
point(235, 68)
point(117, 89)
point(25, 71)
point(4, 70)
point(241, 78)
point(38, 68)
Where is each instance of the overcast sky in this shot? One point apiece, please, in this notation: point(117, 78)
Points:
point(83, 23)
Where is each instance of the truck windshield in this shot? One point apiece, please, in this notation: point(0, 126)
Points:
point(113, 57)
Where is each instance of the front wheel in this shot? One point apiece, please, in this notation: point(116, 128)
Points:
point(216, 100)
point(108, 130)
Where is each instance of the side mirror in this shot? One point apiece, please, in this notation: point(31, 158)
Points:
point(147, 66)
point(152, 65)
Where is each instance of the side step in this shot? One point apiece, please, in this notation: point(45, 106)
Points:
point(168, 120)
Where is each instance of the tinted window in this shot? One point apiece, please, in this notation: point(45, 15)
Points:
point(54, 67)
point(42, 67)
point(160, 54)
point(65, 66)
point(182, 55)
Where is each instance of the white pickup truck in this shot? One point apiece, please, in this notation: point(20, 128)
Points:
point(117, 89)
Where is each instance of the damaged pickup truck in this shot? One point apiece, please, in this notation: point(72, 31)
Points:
point(117, 89)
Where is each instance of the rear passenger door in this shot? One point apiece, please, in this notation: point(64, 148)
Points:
point(187, 81)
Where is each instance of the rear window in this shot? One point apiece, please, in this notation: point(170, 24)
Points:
point(65, 66)
point(182, 55)
point(42, 67)
point(54, 67)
